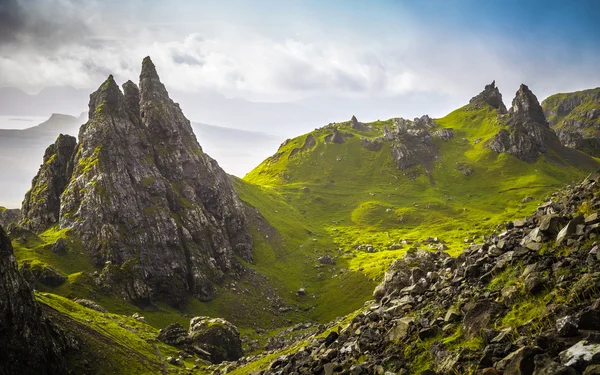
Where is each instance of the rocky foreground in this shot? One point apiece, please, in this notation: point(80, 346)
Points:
point(524, 301)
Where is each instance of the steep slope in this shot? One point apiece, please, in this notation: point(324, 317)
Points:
point(30, 343)
point(147, 203)
point(410, 180)
point(576, 118)
point(521, 301)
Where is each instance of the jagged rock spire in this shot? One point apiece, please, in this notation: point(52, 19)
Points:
point(491, 96)
point(143, 196)
point(525, 107)
point(107, 99)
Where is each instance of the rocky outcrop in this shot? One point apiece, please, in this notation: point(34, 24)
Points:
point(357, 125)
point(576, 119)
point(412, 143)
point(335, 137)
point(215, 339)
point(478, 312)
point(148, 204)
point(218, 337)
point(41, 207)
point(490, 96)
point(30, 344)
point(528, 134)
point(9, 216)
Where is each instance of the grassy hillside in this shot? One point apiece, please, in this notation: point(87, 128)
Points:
point(559, 107)
point(354, 203)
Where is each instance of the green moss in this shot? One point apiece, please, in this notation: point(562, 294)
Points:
point(147, 181)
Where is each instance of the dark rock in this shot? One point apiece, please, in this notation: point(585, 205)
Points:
point(568, 230)
point(580, 355)
point(138, 166)
point(519, 362)
point(43, 273)
point(41, 206)
point(490, 96)
point(528, 135)
point(356, 125)
point(567, 326)
point(544, 365)
point(326, 259)
point(9, 216)
point(331, 337)
point(60, 247)
point(175, 335)
point(218, 337)
point(30, 343)
point(480, 316)
point(590, 318)
point(335, 137)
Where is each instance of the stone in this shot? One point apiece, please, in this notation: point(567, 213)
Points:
point(175, 335)
point(519, 362)
point(326, 259)
point(218, 337)
point(568, 230)
point(479, 316)
point(60, 247)
point(590, 318)
point(544, 365)
point(301, 292)
point(580, 355)
point(592, 219)
point(452, 315)
point(567, 326)
point(550, 225)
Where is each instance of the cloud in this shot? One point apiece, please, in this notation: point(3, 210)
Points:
point(42, 24)
point(62, 42)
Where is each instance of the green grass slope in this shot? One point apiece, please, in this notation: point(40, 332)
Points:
point(345, 199)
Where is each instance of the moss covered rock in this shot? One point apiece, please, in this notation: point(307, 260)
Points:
point(218, 337)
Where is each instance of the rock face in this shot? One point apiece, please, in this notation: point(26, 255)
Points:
point(146, 201)
point(490, 96)
point(528, 135)
point(30, 344)
point(412, 143)
point(9, 216)
point(41, 207)
point(576, 119)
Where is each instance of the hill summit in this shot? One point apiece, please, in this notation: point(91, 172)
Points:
point(147, 203)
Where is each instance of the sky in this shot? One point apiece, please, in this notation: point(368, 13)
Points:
point(434, 53)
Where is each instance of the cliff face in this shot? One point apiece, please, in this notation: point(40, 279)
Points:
point(576, 119)
point(29, 344)
point(147, 203)
point(41, 206)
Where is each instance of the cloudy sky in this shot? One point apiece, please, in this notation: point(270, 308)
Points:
point(332, 53)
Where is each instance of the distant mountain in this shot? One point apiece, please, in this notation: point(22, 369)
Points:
point(575, 117)
point(236, 150)
point(16, 102)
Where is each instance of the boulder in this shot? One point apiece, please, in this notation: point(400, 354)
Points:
point(175, 335)
point(218, 337)
point(544, 365)
point(480, 316)
point(580, 355)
